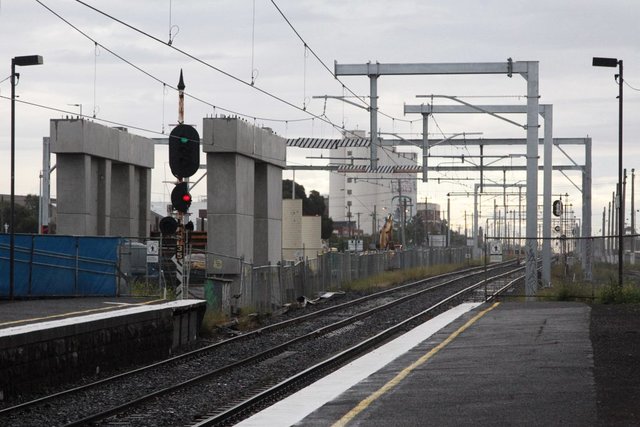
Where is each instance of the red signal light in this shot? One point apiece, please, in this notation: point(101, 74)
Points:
point(180, 197)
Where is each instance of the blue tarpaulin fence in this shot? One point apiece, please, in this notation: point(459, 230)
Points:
point(52, 265)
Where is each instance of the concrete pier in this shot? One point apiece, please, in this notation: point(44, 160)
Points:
point(244, 194)
point(103, 179)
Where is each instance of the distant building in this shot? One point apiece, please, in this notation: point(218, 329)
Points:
point(365, 199)
point(301, 235)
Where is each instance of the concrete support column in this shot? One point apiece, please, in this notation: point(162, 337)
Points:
point(124, 200)
point(267, 241)
point(76, 213)
point(144, 201)
point(104, 197)
point(230, 210)
point(103, 179)
point(244, 194)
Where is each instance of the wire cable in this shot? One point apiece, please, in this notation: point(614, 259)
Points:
point(157, 79)
point(85, 116)
point(631, 87)
point(211, 66)
point(326, 67)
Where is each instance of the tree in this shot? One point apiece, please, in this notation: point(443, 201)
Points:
point(327, 227)
point(26, 216)
point(286, 190)
point(315, 204)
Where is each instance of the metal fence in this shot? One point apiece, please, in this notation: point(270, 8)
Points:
point(83, 266)
point(54, 266)
point(267, 288)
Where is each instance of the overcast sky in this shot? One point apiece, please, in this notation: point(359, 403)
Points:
point(563, 35)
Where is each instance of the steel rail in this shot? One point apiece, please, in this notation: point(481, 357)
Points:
point(339, 359)
point(256, 358)
point(245, 336)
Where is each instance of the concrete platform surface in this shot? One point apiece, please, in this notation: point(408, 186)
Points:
point(23, 312)
point(503, 364)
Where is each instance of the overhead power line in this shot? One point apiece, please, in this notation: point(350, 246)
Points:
point(322, 118)
point(326, 67)
point(157, 79)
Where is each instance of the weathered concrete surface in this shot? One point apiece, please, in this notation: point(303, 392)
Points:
point(520, 364)
point(244, 194)
point(103, 179)
point(35, 355)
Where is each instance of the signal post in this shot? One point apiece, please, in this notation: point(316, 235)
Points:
point(184, 161)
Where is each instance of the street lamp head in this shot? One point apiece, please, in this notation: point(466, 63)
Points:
point(604, 62)
point(23, 61)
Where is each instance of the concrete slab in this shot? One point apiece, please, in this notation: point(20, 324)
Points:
point(516, 364)
point(22, 312)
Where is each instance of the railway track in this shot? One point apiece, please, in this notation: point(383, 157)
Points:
point(268, 396)
point(216, 378)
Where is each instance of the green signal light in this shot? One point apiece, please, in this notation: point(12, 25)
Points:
point(184, 140)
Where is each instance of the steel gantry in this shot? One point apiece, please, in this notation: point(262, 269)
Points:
point(586, 244)
point(527, 69)
point(545, 110)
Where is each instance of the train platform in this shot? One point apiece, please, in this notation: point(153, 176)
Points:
point(29, 311)
point(51, 341)
point(510, 363)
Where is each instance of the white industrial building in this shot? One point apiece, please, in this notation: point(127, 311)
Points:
point(365, 199)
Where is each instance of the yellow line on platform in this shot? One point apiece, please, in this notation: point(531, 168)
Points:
point(73, 313)
point(406, 371)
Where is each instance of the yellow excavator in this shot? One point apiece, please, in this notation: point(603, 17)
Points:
point(385, 234)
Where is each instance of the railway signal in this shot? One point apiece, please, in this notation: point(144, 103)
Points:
point(184, 151)
point(168, 225)
point(557, 208)
point(180, 197)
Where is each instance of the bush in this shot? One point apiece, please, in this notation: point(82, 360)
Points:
point(614, 294)
point(396, 277)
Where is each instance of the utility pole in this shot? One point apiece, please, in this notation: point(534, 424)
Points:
point(604, 247)
point(623, 203)
point(349, 216)
point(633, 215)
point(465, 227)
point(358, 224)
point(404, 222)
point(520, 218)
point(609, 228)
point(426, 219)
point(448, 220)
point(495, 210)
point(374, 222)
point(616, 218)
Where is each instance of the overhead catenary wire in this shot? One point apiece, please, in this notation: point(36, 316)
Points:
point(326, 67)
point(211, 66)
point(157, 79)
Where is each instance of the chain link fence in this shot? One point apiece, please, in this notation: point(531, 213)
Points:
point(267, 288)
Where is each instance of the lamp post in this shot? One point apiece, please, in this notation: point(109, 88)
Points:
point(614, 62)
point(18, 61)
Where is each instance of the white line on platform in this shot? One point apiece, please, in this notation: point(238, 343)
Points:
point(297, 406)
point(15, 330)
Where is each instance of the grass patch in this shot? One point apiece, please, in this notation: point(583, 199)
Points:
point(247, 319)
point(614, 294)
point(396, 277)
point(567, 292)
point(210, 322)
point(604, 288)
point(141, 288)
